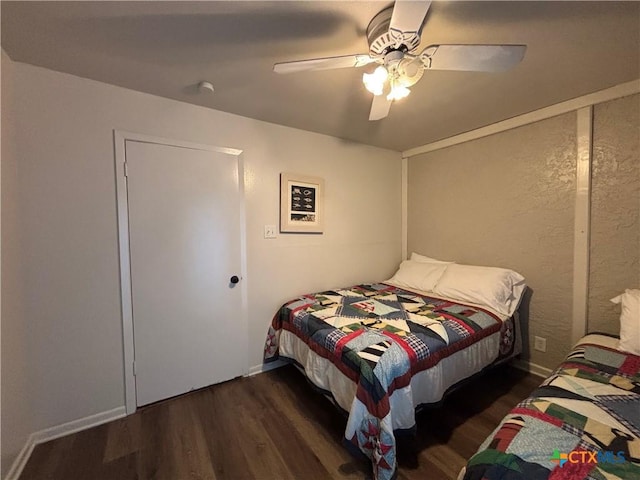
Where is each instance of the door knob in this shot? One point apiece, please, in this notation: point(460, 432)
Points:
point(234, 279)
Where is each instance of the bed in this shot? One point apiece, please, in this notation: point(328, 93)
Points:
point(380, 351)
point(583, 422)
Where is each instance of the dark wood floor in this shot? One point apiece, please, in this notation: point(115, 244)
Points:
point(272, 426)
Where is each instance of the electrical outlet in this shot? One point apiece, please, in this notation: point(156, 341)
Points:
point(540, 344)
point(270, 231)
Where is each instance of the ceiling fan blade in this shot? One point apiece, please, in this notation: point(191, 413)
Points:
point(408, 16)
point(473, 58)
point(379, 107)
point(327, 63)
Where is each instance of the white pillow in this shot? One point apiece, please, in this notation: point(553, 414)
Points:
point(629, 321)
point(499, 289)
point(416, 257)
point(418, 275)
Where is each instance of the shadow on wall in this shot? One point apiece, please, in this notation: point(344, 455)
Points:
point(523, 310)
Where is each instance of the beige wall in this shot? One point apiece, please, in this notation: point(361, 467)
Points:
point(16, 422)
point(514, 192)
point(65, 190)
point(615, 209)
point(505, 200)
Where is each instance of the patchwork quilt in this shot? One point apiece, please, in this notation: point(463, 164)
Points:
point(582, 423)
point(379, 336)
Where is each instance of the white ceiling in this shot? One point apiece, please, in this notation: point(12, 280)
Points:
point(166, 48)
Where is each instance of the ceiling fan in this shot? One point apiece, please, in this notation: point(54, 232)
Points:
point(394, 36)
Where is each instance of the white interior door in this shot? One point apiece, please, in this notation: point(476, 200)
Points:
point(184, 242)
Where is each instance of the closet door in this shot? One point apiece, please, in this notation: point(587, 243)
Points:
point(184, 242)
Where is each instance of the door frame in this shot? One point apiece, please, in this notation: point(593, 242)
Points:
point(120, 137)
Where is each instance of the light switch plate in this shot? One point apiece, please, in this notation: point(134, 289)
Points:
point(270, 231)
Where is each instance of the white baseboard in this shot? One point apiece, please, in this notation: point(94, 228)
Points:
point(532, 368)
point(265, 367)
point(57, 431)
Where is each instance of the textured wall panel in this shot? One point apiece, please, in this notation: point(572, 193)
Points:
point(615, 209)
point(506, 200)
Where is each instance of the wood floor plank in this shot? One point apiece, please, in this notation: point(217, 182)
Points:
point(88, 448)
point(122, 468)
point(264, 458)
point(123, 438)
point(46, 459)
point(273, 426)
point(318, 436)
point(223, 441)
point(189, 450)
point(299, 456)
point(154, 459)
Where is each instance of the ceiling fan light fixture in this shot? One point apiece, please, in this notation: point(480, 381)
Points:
point(394, 36)
point(374, 82)
point(398, 92)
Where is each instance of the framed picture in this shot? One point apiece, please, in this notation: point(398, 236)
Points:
point(301, 204)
